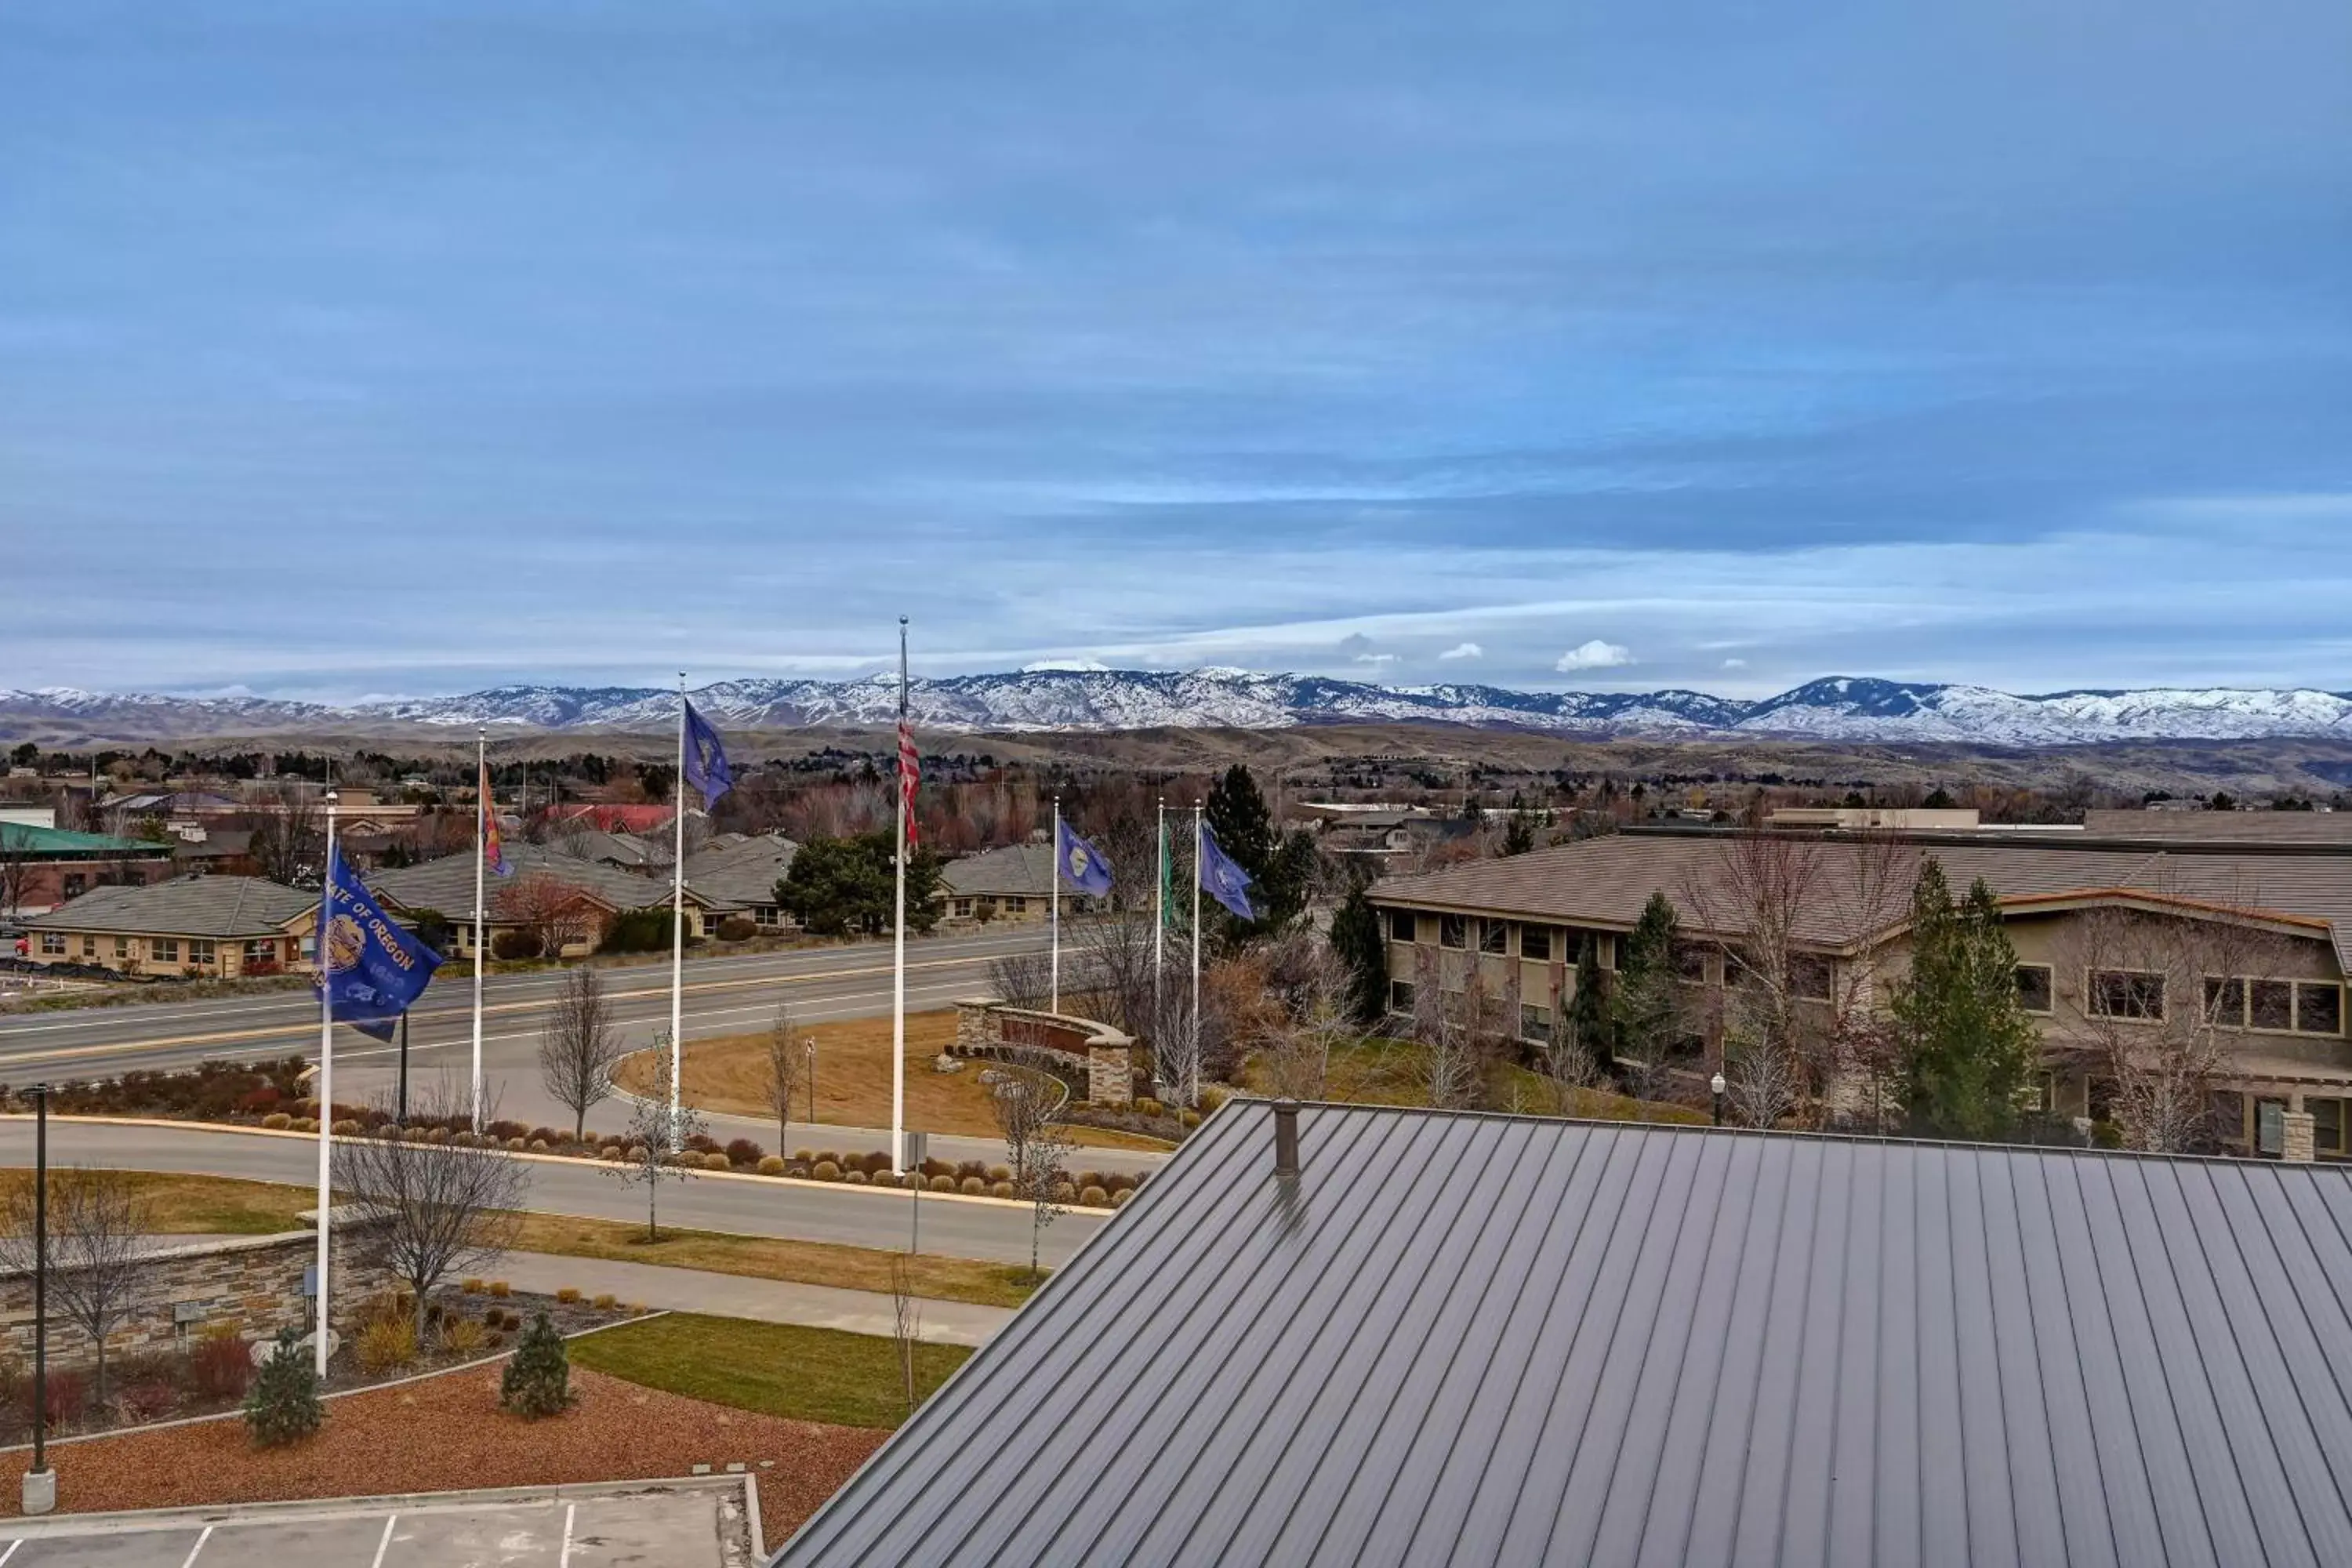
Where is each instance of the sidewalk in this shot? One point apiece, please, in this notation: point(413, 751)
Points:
point(733, 1296)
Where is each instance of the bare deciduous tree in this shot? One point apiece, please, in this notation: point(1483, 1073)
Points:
point(1310, 1013)
point(1451, 1026)
point(16, 869)
point(547, 908)
point(97, 1220)
point(439, 1208)
point(289, 837)
point(653, 1129)
point(1113, 969)
point(579, 1047)
point(906, 1324)
point(1025, 1102)
point(1759, 1084)
point(1021, 979)
point(786, 1063)
point(1046, 1173)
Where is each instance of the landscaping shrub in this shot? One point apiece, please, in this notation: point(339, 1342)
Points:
point(1147, 1106)
point(999, 1172)
point(471, 1287)
point(636, 930)
point(1089, 1179)
point(303, 1124)
point(717, 1163)
point(1064, 1194)
point(771, 1165)
point(877, 1163)
point(744, 1151)
point(514, 944)
point(943, 1184)
point(1213, 1098)
point(855, 1178)
point(463, 1336)
point(568, 1295)
point(1118, 1181)
point(536, 1146)
point(973, 1186)
point(516, 1145)
point(69, 1397)
point(825, 1171)
point(605, 1302)
point(1119, 1200)
point(284, 1405)
point(221, 1366)
point(827, 1157)
point(538, 1380)
point(636, 1154)
point(278, 1121)
point(702, 1144)
point(999, 1189)
point(1097, 1196)
point(501, 1289)
point(971, 1168)
point(737, 928)
point(610, 1151)
point(547, 1135)
point(1190, 1120)
point(803, 1157)
point(387, 1343)
point(149, 1401)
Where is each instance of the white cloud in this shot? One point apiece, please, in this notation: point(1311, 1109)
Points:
point(1594, 654)
point(1464, 651)
point(1735, 664)
point(1040, 666)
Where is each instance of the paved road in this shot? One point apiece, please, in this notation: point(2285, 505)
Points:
point(858, 1216)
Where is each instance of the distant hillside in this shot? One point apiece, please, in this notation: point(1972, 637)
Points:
point(1846, 709)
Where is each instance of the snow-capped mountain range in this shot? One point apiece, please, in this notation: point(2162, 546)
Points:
point(1841, 708)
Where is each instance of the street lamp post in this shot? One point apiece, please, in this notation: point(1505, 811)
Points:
point(1718, 1086)
point(40, 1494)
point(808, 1048)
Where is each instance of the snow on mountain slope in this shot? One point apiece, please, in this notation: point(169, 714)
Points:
point(1843, 707)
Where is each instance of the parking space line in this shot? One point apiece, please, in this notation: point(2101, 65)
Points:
point(565, 1560)
point(189, 1561)
point(11, 1551)
point(380, 1546)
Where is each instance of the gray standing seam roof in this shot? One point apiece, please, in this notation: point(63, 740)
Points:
point(1472, 1338)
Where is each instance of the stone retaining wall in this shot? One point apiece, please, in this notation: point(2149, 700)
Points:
point(1090, 1055)
point(253, 1284)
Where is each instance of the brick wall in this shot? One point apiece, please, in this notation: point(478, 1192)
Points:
point(250, 1283)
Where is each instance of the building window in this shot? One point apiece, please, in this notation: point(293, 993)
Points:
point(765, 914)
point(2034, 987)
point(959, 908)
point(2126, 994)
point(202, 949)
point(1535, 1023)
point(164, 949)
point(1495, 937)
point(2319, 1008)
point(2326, 1126)
point(1690, 962)
point(1453, 930)
point(1808, 976)
point(76, 884)
point(1535, 942)
point(262, 952)
point(1404, 925)
point(1016, 906)
point(54, 941)
point(89, 945)
point(1400, 995)
point(122, 947)
point(2269, 1004)
point(2225, 1002)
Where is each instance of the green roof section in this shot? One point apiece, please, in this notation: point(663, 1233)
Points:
point(19, 837)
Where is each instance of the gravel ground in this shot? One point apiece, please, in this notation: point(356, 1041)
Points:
point(448, 1433)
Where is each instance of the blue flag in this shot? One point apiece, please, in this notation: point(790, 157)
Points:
point(706, 760)
point(1221, 879)
point(370, 968)
point(1081, 864)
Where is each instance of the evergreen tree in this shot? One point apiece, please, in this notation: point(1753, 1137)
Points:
point(1968, 1047)
point(1588, 1010)
point(1646, 1009)
point(283, 1405)
point(538, 1379)
point(1519, 835)
point(840, 885)
point(1357, 938)
point(1244, 828)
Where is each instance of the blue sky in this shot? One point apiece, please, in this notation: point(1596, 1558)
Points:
point(351, 349)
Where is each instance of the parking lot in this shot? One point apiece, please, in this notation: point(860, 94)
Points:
point(682, 1524)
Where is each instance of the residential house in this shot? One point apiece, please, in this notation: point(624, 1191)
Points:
point(573, 900)
point(742, 871)
point(1393, 836)
point(41, 867)
point(191, 926)
point(222, 851)
point(613, 818)
point(2256, 940)
point(1015, 884)
point(1335, 1334)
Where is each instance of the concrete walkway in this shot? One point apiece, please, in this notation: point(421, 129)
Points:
point(733, 1296)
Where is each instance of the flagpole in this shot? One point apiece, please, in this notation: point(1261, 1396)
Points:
point(677, 921)
point(898, 942)
point(481, 854)
point(1055, 917)
point(1159, 917)
point(1192, 1068)
point(326, 1086)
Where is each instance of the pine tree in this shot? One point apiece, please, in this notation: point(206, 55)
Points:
point(538, 1379)
point(1519, 834)
point(1588, 1010)
point(1237, 814)
point(1356, 937)
point(1646, 1009)
point(1968, 1047)
point(284, 1405)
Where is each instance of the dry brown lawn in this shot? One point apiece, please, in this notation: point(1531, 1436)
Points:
point(730, 1074)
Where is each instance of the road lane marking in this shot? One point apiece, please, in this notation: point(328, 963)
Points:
point(190, 1560)
point(565, 1560)
point(380, 1546)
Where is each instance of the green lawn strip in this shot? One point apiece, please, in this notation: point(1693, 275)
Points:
point(216, 1206)
point(1381, 1072)
point(777, 1369)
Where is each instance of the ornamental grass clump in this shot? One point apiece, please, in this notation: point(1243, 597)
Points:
point(284, 1405)
point(538, 1379)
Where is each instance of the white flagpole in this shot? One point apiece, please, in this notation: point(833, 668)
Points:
point(1055, 917)
point(1158, 914)
point(1192, 1069)
point(678, 922)
point(898, 944)
point(481, 856)
point(326, 1084)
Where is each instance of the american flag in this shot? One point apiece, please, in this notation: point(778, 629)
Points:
point(910, 768)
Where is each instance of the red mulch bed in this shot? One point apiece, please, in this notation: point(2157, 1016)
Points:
point(446, 1434)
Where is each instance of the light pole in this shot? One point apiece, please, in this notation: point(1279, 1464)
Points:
point(808, 1050)
point(1718, 1086)
point(40, 1494)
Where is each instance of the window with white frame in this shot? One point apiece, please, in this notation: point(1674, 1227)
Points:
point(1400, 995)
point(53, 943)
point(164, 949)
point(1495, 937)
point(1404, 925)
point(2129, 994)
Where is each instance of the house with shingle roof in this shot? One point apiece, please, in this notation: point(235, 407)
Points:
point(741, 871)
point(1013, 884)
point(546, 889)
point(211, 926)
point(2236, 944)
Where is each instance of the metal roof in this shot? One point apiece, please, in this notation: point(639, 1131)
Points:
point(38, 843)
point(1476, 1340)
